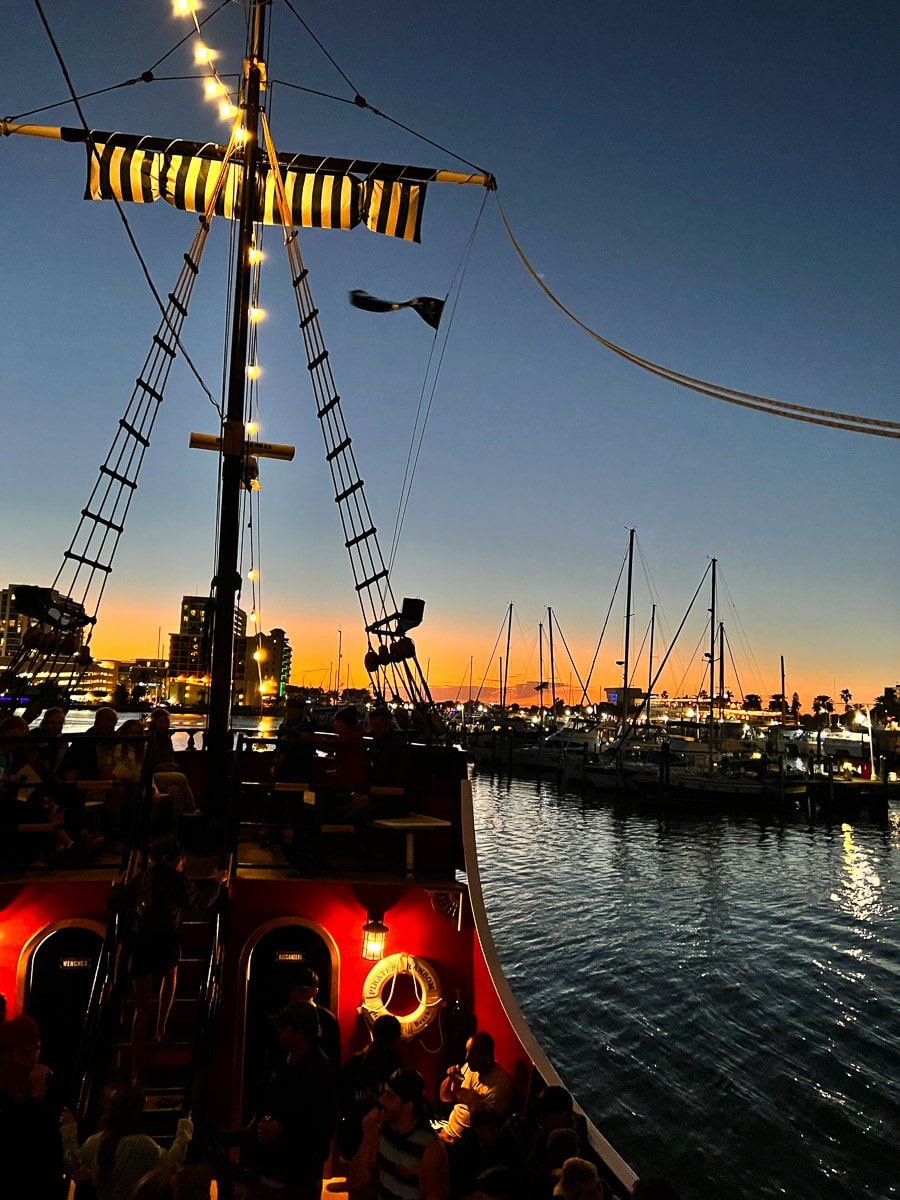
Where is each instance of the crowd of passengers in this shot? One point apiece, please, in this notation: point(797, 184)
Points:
point(45, 777)
point(369, 1115)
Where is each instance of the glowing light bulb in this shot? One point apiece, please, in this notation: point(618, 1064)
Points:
point(227, 110)
point(250, 427)
point(203, 54)
point(212, 89)
point(253, 573)
point(256, 314)
point(255, 255)
point(253, 370)
point(185, 8)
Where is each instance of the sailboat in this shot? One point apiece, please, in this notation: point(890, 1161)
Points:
point(407, 933)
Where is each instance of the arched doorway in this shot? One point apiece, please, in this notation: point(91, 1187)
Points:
point(59, 975)
point(276, 954)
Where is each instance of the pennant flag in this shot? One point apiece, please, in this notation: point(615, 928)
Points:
point(429, 308)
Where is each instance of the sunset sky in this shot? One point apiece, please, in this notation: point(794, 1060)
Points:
point(712, 186)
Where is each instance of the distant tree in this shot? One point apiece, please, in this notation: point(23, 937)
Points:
point(752, 702)
point(888, 705)
point(846, 696)
point(776, 702)
point(822, 707)
point(795, 706)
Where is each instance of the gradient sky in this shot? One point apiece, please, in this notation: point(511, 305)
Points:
point(711, 185)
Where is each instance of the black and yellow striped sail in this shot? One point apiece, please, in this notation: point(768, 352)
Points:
point(321, 194)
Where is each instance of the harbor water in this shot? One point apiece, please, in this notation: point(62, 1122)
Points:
point(718, 989)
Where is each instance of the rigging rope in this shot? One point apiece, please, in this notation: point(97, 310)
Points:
point(131, 238)
point(778, 408)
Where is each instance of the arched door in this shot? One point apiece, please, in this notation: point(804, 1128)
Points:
point(58, 985)
point(275, 960)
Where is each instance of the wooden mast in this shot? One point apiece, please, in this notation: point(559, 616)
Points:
point(227, 582)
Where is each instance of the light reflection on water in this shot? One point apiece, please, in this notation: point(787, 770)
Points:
point(719, 991)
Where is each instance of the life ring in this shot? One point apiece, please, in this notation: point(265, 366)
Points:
point(427, 985)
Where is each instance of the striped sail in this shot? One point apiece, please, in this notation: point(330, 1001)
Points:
point(320, 198)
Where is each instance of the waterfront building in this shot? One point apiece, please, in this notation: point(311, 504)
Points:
point(262, 668)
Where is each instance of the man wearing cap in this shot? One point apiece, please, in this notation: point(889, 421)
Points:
point(30, 1150)
point(300, 1107)
point(400, 1150)
point(304, 987)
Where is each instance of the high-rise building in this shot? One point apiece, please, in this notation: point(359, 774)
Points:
point(191, 647)
point(262, 668)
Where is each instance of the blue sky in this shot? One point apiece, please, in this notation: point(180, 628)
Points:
point(711, 185)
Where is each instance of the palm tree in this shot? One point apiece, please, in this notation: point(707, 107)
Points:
point(846, 696)
point(823, 704)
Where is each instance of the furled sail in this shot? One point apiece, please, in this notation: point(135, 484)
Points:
point(322, 193)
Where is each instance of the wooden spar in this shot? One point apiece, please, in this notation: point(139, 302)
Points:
point(67, 133)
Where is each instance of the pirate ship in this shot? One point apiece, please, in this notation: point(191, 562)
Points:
point(404, 931)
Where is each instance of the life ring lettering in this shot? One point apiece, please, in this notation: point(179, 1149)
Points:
point(427, 985)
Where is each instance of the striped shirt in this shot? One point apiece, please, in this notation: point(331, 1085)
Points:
point(399, 1157)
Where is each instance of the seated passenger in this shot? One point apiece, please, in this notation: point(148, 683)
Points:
point(294, 750)
point(348, 770)
point(578, 1180)
point(479, 1083)
point(26, 800)
point(91, 755)
point(484, 1161)
point(388, 768)
point(166, 776)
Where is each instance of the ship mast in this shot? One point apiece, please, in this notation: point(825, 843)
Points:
point(226, 581)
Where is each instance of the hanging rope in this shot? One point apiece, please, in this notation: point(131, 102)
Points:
point(778, 408)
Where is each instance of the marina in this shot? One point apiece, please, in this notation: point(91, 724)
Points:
point(681, 972)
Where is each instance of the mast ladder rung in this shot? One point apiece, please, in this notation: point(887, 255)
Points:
point(326, 408)
point(105, 470)
point(361, 537)
point(88, 562)
point(298, 279)
point(317, 361)
point(368, 582)
point(176, 303)
point(304, 321)
point(190, 262)
point(138, 437)
point(166, 349)
point(354, 487)
point(144, 386)
point(339, 449)
point(92, 516)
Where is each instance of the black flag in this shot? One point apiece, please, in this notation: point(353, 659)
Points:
point(429, 308)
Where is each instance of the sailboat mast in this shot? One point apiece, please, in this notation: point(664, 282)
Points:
point(552, 661)
point(712, 659)
point(541, 673)
point(627, 646)
point(226, 582)
point(650, 665)
point(721, 670)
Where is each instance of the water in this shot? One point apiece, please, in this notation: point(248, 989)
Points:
point(718, 990)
